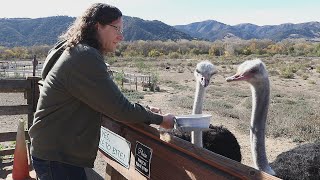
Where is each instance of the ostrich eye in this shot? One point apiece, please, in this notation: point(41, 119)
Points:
point(197, 71)
point(253, 70)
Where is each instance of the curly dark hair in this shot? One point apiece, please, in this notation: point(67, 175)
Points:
point(83, 29)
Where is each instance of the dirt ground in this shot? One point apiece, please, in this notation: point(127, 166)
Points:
point(163, 99)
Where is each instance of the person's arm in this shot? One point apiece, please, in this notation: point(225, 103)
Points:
point(167, 122)
point(89, 81)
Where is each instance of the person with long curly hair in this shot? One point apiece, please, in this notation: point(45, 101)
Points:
point(77, 91)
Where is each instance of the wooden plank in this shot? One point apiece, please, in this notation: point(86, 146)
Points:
point(5, 152)
point(92, 175)
point(175, 164)
point(11, 136)
point(113, 174)
point(179, 159)
point(14, 85)
point(14, 110)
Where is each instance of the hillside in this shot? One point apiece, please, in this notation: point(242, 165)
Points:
point(41, 31)
point(28, 32)
point(213, 30)
point(139, 29)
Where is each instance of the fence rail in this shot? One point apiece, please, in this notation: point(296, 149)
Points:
point(146, 81)
point(19, 69)
point(172, 158)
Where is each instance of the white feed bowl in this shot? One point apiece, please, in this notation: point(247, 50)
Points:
point(194, 120)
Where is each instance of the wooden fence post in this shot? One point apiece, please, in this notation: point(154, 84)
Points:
point(32, 98)
point(34, 65)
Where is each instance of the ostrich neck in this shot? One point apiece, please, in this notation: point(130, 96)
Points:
point(198, 99)
point(196, 136)
point(260, 104)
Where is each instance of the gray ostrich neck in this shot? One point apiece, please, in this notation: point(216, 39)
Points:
point(198, 99)
point(260, 105)
point(196, 136)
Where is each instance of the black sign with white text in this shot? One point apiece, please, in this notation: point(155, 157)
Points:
point(143, 159)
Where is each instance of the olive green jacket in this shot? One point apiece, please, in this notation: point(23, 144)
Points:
point(76, 92)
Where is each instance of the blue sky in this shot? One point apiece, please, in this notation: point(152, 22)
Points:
point(178, 12)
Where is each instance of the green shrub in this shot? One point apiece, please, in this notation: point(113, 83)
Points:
point(154, 53)
point(118, 77)
point(142, 67)
point(287, 72)
point(133, 96)
point(174, 55)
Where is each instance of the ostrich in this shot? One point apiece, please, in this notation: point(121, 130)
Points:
point(254, 72)
point(302, 162)
point(218, 139)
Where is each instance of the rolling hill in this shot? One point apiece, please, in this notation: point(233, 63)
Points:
point(44, 31)
point(213, 30)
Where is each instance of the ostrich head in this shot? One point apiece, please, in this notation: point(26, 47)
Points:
point(203, 72)
point(252, 71)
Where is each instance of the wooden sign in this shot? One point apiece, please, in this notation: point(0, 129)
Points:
point(115, 146)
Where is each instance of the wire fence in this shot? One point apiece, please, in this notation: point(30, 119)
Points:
point(19, 69)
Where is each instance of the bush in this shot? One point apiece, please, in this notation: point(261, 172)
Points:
point(174, 55)
point(154, 53)
point(142, 67)
point(288, 72)
point(118, 77)
point(285, 73)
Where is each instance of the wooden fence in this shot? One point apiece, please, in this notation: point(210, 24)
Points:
point(150, 153)
point(19, 69)
point(172, 157)
point(30, 88)
point(129, 79)
point(27, 86)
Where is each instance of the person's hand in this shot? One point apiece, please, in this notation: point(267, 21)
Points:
point(154, 109)
point(168, 121)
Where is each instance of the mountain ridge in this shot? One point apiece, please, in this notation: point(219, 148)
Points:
point(218, 30)
point(45, 30)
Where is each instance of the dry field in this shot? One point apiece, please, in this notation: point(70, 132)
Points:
point(293, 118)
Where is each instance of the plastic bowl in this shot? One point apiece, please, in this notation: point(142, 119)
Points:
point(194, 120)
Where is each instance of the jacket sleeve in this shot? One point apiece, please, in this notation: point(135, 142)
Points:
point(89, 81)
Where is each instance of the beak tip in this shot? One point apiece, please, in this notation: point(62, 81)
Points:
point(228, 79)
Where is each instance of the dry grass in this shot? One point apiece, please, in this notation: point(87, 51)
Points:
point(294, 108)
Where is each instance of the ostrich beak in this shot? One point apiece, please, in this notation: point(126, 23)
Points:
point(236, 77)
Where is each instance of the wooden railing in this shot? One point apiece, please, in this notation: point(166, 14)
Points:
point(30, 89)
point(172, 157)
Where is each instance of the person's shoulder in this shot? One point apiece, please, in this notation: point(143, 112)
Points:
point(86, 50)
point(85, 55)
